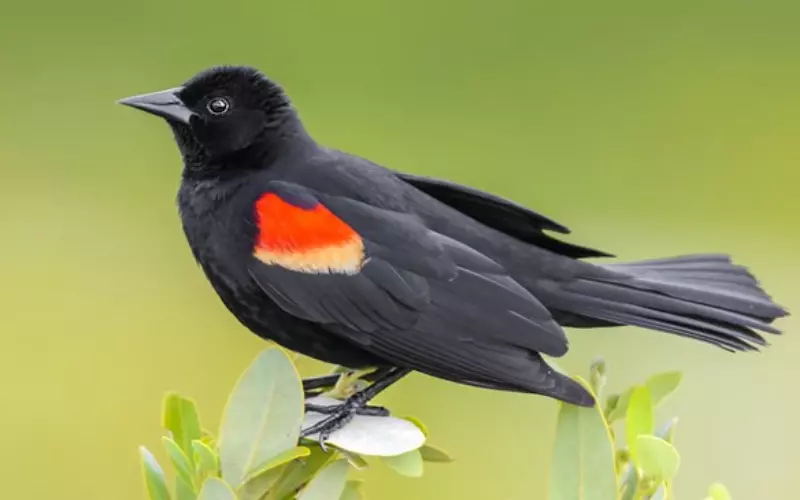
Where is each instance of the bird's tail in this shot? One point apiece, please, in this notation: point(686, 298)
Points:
point(704, 297)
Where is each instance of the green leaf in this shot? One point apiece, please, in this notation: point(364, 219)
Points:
point(184, 490)
point(365, 434)
point(352, 491)
point(719, 492)
point(179, 417)
point(657, 457)
point(663, 385)
point(597, 376)
point(354, 459)
point(583, 458)
point(328, 484)
point(216, 489)
point(419, 424)
point(660, 494)
point(660, 386)
point(285, 457)
point(260, 487)
point(296, 474)
point(265, 479)
point(153, 476)
point(262, 416)
point(408, 464)
point(611, 405)
point(639, 418)
point(667, 431)
point(432, 453)
point(209, 439)
point(630, 483)
point(206, 460)
point(183, 467)
point(620, 406)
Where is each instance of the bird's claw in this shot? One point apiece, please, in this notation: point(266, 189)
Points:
point(372, 411)
point(340, 415)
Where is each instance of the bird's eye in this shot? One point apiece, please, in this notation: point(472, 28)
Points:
point(218, 106)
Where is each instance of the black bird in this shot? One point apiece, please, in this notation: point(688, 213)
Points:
point(343, 260)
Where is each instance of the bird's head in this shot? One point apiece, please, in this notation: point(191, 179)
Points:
point(221, 111)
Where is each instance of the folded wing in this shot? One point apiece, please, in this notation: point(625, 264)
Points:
point(414, 297)
point(501, 214)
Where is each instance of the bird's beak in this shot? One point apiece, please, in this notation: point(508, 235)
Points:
point(165, 104)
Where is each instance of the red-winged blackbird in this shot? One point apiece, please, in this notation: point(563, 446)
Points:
point(343, 260)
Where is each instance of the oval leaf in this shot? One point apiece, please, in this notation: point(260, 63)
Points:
point(153, 476)
point(260, 485)
point(206, 460)
point(611, 405)
point(667, 431)
point(583, 458)
point(597, 376)
point(262, 417)
point(328, 484)
point(180, 461)
point(283, 458)
point(179, 417)
point(639, 418)
point(184, 490)
point(408, 464)
point(352, 491)
point(719, 492)
point(630, 483)
point(299, 472)
point(355, 460)
point(660, 494)
point(431, 453)
point(657, 458)
point(620, 406)
point(418, 423)
point(208, 438)
point(216, 489)
point(368, 435)
point(662, 385)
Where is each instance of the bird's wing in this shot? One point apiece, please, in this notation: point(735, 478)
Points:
point(501, 214)
point(375, 275)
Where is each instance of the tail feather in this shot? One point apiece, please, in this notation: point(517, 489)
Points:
point(613, 294)
point(708, 260)
point(705, 297)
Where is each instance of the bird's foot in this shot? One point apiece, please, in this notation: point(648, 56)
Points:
point(354, 404)
point(340, 415)
point(372, 411)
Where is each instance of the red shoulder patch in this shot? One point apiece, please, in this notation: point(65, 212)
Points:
point(310, 240)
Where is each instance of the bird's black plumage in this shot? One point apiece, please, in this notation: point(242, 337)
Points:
point(349, 262)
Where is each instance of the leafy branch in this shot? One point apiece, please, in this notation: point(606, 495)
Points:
point(588, 466)
point(259, 455)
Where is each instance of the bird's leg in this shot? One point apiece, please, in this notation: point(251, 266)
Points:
point(342, 385)
point(356, 404)
point(314, 386)
point(345, 385)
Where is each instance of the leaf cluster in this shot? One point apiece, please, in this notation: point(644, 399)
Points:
point(587, 464)
point(258, 453)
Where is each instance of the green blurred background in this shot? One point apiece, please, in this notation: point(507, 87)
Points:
point(649, 128)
